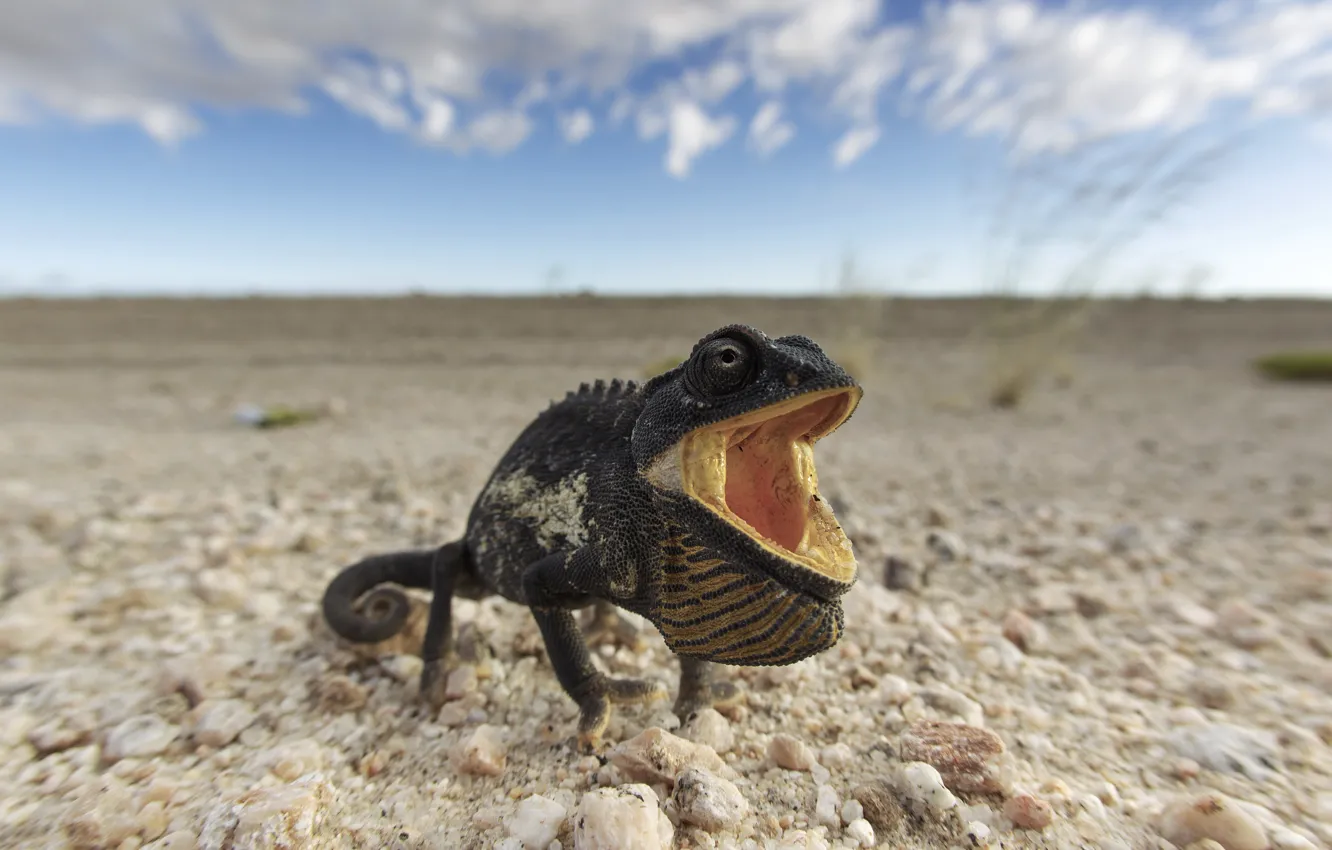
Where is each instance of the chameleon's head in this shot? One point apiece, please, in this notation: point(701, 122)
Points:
point(727, 438)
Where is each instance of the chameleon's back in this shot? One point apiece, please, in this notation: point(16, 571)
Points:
point(544, 493)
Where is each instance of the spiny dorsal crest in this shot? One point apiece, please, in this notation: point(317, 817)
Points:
point(600, 388)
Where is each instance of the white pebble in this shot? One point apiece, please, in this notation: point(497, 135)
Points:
point(860, 830)
point(946, 699)
point(402, 667)
point(482, 754)
point(536, 822)
point(924, 786)
point(1229, 748)
point(791, 753)
point(979, 813)
point(178, 840)
point(836, 755)
point(709, 727)
point(852, 810)
point(221, 588)
point(625, 816)
point(286, 816)
point(978, 834)
point(139, 737)
point(825, 807)
point(894, 690)
point(1215, 816)
point(460, 682)
point(218, 722)
point(1091, 805)
point(1287, 839)
point(1192, 613)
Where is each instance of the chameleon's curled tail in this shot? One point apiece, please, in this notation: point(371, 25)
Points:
point(385, 608)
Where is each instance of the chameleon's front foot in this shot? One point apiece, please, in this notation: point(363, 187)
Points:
point(595, 708)
point(718, 695)
point(607, 627)
point(699, 690)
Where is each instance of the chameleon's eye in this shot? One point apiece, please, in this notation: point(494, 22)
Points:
point(722, 366)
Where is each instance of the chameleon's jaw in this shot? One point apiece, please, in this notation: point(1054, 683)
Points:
point(756, 471)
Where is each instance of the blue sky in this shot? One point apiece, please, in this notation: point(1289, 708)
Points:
point(647, 147)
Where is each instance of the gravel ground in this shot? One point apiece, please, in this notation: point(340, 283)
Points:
point(1103, 619)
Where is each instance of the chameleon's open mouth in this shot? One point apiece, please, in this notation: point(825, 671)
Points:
point(757, 472)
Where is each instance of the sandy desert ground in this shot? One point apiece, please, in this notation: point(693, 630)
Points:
point(1110, 608)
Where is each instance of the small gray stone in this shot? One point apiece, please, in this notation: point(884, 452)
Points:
point(140, 736)
point(791, 753)
point(901, 574)
point(1124, 538)
point(221, 587)
point(218, 722)
point(708, 801)
point(707, 726)
point(1228, 748)
point(946, 545)
point(281, 818)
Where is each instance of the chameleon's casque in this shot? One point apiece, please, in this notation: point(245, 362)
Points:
point(691, 500)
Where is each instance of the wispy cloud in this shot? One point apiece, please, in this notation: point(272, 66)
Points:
point(853, 144)
point(767, 130)
point(1039, 77)
point(576, 126)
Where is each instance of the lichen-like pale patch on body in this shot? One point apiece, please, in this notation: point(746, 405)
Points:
point(556, 510)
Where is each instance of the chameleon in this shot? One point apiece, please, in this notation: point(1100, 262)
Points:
point(690, 499)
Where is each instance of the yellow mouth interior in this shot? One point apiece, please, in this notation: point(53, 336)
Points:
point(757, 472)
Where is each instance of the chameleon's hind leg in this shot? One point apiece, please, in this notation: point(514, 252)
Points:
point(608, 626)
point(551, 594)
point(449, 562)
point(699, 689)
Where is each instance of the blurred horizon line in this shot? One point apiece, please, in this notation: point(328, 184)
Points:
point(1110, 296)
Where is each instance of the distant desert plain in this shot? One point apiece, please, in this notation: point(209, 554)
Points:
point(1100, 617)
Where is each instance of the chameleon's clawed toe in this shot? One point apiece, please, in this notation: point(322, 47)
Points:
point(595, 708)
point(726, 694)
point(594, 717)
point(719, 695)
point(626, 691)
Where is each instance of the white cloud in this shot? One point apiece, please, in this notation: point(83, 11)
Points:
point(576, 126)
point(692, 132)
point(715, 83)
point(1053, 79)
point(853, 144)
point(168, 124)
point(1042, 77)
point(371, 93)
point(767, 130)
point(814, 41)
point(438, 121)
point(498, 131)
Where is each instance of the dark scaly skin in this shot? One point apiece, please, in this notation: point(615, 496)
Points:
point(568, 519)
